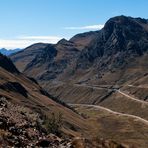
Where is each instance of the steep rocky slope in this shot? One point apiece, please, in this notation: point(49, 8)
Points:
point(15, 87)
point(21, 127)
point(29, 117)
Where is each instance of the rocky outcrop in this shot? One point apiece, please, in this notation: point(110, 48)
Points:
point(121, 38)
point(21, 127)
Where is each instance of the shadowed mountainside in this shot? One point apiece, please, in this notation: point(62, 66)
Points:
point(21, 90)
point(26, 116)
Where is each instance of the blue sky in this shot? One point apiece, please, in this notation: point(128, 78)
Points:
point(23, 22)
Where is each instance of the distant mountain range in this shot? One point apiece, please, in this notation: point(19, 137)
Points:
point(7, 52)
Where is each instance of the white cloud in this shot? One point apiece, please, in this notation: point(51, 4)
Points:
point(51, 38)
point(24, 41)
point(91, 27)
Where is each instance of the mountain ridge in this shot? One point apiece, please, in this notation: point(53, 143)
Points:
point(9, 52)
point(106, 50)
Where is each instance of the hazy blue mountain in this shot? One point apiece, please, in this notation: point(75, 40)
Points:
point(8, 52)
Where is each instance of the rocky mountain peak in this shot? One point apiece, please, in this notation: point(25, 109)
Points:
point(63, 41)
point(128, 27)
point(122, 37)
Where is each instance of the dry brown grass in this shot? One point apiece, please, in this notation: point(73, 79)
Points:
point(120, 128)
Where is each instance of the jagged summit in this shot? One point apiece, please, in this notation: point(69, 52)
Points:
point(62, 41)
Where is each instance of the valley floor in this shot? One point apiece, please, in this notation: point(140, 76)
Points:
point(119, 115)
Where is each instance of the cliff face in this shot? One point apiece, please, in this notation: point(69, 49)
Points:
point(121, 38)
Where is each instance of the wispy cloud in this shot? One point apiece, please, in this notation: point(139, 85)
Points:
point(24, 41)
point(91, 27)
point(50, 38)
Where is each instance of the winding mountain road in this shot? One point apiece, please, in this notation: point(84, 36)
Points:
point(93, 87)
point(128, 96)
point(112, 89)
point(111, 111)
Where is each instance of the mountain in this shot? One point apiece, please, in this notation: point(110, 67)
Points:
point(27, 55)
point(101, 74)
point(20, 95)
point(113, 55)
point(9, 52)
point(31, 117)
point(111, 71)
